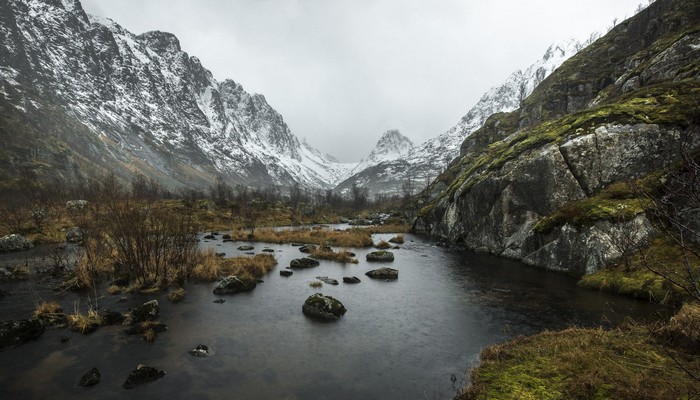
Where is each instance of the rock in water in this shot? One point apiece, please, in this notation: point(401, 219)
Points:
point(383, 273)
point(90, 378)
point(14, 332)
point(323, 307)
point(308, 248)
point(14, 242)
point(306, 262)
point(327, 280)
point(200, 351)
point(141, 375)
point(351, 279)
point(286, 272)
point(233, 284)
point(245, 248)
point(148, 311)
point(381, 256)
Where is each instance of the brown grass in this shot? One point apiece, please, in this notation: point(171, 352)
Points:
point(683, 330)
point(177, 295)
point(150, 335)
point(114, 289)
point(212, 267)
point(398, 239)
point(84, 323)
point(346, 238)
point(383, 245)
point(316, 284)
point(388, 228)
point(342, 256)
point(46, 308)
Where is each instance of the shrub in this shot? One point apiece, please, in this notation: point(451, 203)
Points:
point(176, 295)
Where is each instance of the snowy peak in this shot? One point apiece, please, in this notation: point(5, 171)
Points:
point(390, 146)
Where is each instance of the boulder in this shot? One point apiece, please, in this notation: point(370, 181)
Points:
point(245, 248)
point(327, 280)
point(300, 263)
point(380, 256)
point(209, 237)
point(323, 307)
point(286, 272)
point(233, 284)
point(141, 375)
point(351, 279)
point(219, 301)
point(267, 250)
point(308, 248)
point(14, 332)
point(90, 378)
point(75, 234)
point(111, 317)
point(148, 311)
point(14, 242)
point(383, 273)
point(226, 236)
point(76, 205)
point(200, 351)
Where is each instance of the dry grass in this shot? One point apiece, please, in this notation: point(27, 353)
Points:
point(84, 323)
point(114, 289)
point(388, 228)
point(345, 238)
point(383, 245)
point(398, 239)
point(149, 335)
point(683, 330)
point(316, 284)
point(177, 295)
point(342, 256)
point(211, 267)
point(46, 308)
point(577, 363)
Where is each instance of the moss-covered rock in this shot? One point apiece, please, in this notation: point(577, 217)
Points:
point(235, 284)
point(142, 375)
point(383, 273)
point(14, 332)
point(380, 256)
point(323, 307)
point(302, 263)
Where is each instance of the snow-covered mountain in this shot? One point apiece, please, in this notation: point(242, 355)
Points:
point(95, 97)
point(424, 162)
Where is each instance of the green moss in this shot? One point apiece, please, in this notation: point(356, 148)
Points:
point(590, 210)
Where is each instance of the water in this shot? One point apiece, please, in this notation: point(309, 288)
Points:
point(402, 339)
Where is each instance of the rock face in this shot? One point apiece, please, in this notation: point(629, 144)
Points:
point(301, 263)
point(109, 97)
point(90, 378)
point(323, 307)
point(14, 332)
point(142, 375)
point(383, 273)
point(588, 126)
point(14, 242)
point(233, 284)
point(380, 256)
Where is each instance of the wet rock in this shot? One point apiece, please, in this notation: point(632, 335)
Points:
point(286, 272)
point(226, 236)
point(209, 237)
point(266, 250)
point(327, 280)
point(221, 255)
point(308, 248)
point(383, 273)
point(233, 284)
point(75, 234)
point(148, 311)
point(90, 378)
point(200, 351)
point(141, 375)
point(301, 263)
point(245, 248)
point(351, 279)
point(123, 299)
point(14, 332)
point(112, 317)
point(65, 339)
point(297, 244)
point(14, 242)
point(380, 256)
point(323, 307)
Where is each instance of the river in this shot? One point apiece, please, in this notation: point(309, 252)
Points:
point(403, 339)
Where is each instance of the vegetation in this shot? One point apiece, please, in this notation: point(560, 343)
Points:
point(320, 236)
point(326, 253)
point(176, 295)
point(315, 284)
point(626, 363)
point(382, 244)
point(211, 267)
point(84, 323)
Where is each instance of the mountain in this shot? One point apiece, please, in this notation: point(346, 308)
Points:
point(420, 164)
point(546, 183)
point(80, 95)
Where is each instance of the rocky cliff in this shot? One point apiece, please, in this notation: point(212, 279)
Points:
point(80, 95)
point(540, 183)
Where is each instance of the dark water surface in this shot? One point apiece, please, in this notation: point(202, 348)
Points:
point(399, 340)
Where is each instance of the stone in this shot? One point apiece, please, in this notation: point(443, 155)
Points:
point(200, 351)
point(309, 248)
point(142, 375)
point(245, 248)
point(380, 256)
point(209, 237)
point(219, 301)
point(267, 250)
point(14, 332)
point(75, 234)
point(76, 205)
point(233, 284)
point(383, 273)
point(286, 272)
point(148, 311)
point(351, 279)
point(327, 280)
point(226, 236)
point(14, 242)
point(90, 378)
point(65, 339)
point(323, 307)
point(301, 263)
point(220, 255)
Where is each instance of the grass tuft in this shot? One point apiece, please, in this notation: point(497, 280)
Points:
point(177, 295)
point(316, 284)
point(342, 256)
point(383, 245)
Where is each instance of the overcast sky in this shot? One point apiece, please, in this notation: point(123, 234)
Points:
point(341, 72)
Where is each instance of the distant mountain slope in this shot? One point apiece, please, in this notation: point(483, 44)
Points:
point(134, 102)
point(421, 163)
